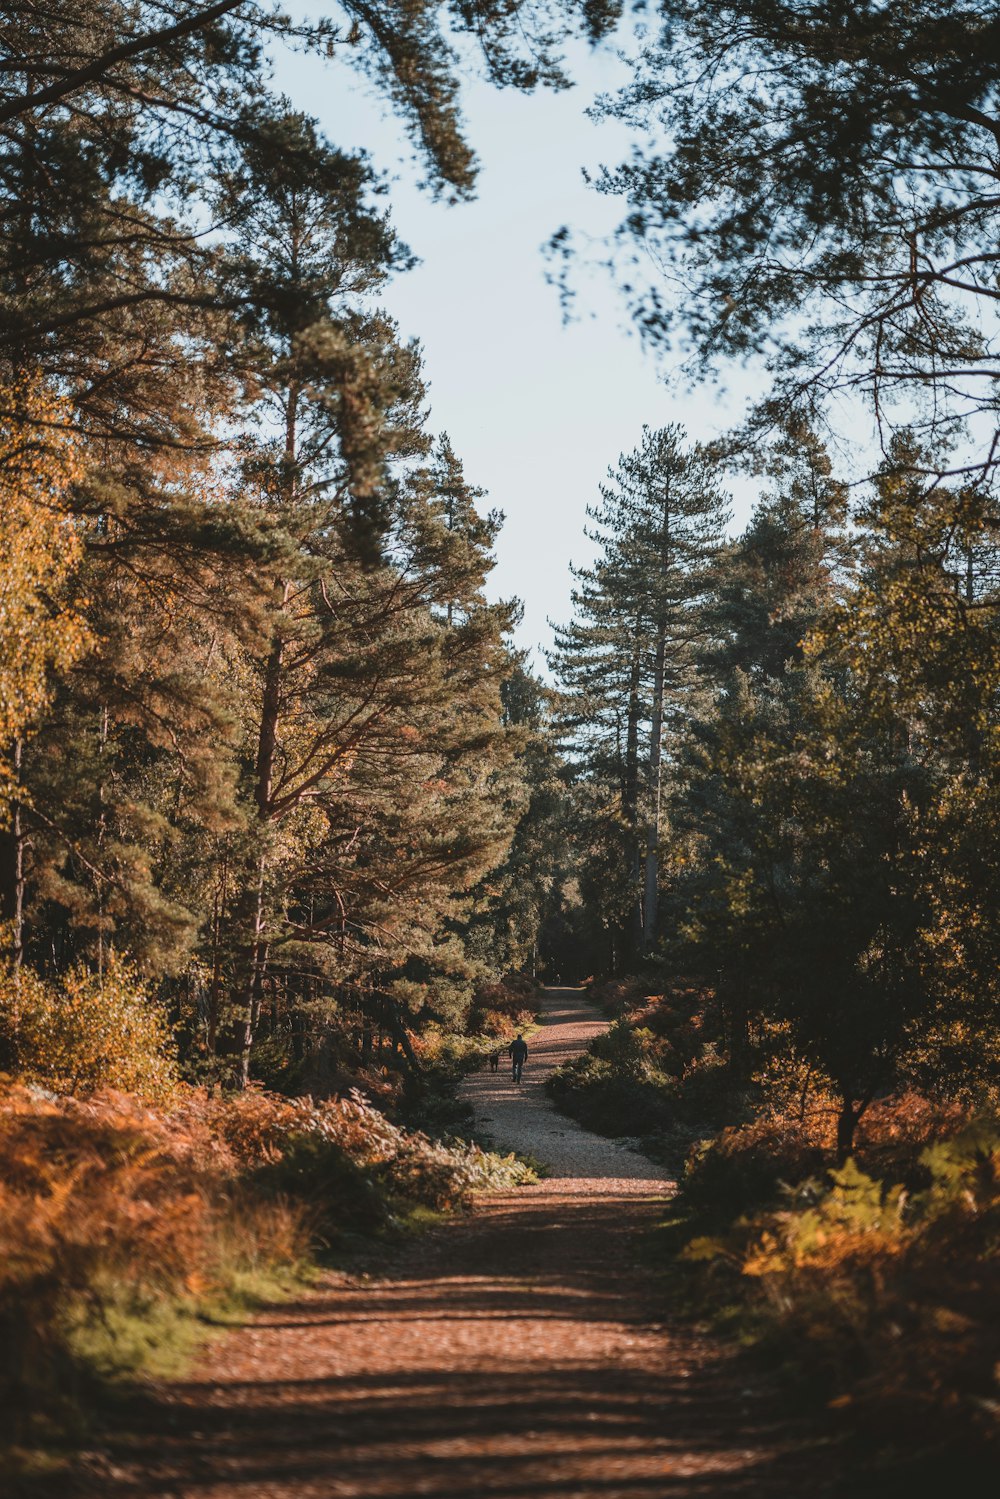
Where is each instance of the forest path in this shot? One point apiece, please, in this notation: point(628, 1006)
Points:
point(513, 1353)
point(521, 1117)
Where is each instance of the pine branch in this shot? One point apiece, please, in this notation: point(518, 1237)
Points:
point(95, 70)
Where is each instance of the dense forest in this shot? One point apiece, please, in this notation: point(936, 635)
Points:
point(291, 831)
point(781, 758)
point(261, 720)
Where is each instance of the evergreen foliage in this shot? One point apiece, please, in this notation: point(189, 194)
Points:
point(829, 778)
point(817, 184)
point(625, 661)
point(253, 738)
point(278, 799)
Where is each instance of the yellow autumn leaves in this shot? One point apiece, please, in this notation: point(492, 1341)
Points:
point(40, 545)
point(86, 1031)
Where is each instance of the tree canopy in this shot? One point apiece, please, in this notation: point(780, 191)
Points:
point(817, 184)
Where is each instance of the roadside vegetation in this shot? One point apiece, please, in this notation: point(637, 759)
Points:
point(141, 1211)
point(785, 819)
point(870, 1284)
point(873, 1284)
point(287, 820)
point(131, 1226)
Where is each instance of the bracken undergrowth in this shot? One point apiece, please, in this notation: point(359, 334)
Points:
point(126, 1227)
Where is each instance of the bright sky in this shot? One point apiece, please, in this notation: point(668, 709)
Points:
point(537, 410)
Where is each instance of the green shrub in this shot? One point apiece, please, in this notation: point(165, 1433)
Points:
point(86, 1031)
point(615, 1094)
point(654, 1074)
point(337, 1195)
point(617, 997)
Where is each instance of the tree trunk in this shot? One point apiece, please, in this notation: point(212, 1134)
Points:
point(256, 959)
point(630, 808)
point(651, 894)
point(270, 708)
point(270, 712)
point(215, 990)
point(266, 745)
point(400, 1036)
point(267, 741)
point(650, 902)
point(12, 873)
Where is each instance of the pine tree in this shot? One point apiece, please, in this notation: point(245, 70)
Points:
point(770, 587)
point(842, 224)
point(627, 661)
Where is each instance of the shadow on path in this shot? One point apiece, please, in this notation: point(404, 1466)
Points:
point(513, 1353)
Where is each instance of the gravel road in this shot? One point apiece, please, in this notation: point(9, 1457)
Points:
point(516, 1353)
point(520, 1116)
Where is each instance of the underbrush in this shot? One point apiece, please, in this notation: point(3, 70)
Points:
point(656, 1075)
point(876, 1285)
point(501, 1009)
point(619, 996)
point(126, 1229)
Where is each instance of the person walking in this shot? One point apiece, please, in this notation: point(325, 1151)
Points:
point(518, 1052)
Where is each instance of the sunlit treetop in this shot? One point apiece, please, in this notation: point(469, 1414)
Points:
point(40, 546)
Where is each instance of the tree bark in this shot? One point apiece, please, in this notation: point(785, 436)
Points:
point(267, 741)
point(630, 808)
point(12, 872)
point(256, 960)
point(215, 989)
point(651, 894)
point(266, 746)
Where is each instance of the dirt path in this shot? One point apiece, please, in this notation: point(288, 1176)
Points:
point(512, 1354)
point(522, 1118)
